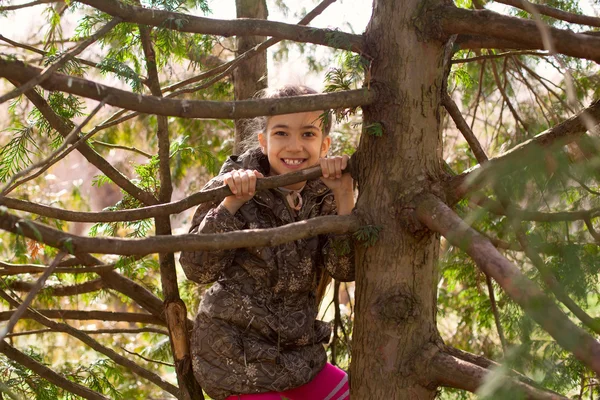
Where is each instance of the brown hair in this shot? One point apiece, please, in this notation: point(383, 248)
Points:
point(259, 124)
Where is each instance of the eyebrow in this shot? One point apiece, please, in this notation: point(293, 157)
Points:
point(287, 127)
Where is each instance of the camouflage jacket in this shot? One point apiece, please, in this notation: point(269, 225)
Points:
point(256, 329)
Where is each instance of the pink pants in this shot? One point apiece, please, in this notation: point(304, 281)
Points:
point(329, 384)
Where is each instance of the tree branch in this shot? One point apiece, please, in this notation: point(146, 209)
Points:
point(18, 71)
point(554, 13)
point(116, 357)
point(499, 55)
point(48, 373)
point(34, 289)
point(434, 214)
point(522, 154)
point(240, 27)
point(189, 242)
point(16, 269)
point(447, 370)
point(64, 127)
point(69, 290)
point(95, 331)
point(215, 195)
point(453, 20)
point(89, 315)
point(463, 127)
point(49, 70)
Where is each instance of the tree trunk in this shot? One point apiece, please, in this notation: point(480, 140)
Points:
point(251, 75)
point(396, 278)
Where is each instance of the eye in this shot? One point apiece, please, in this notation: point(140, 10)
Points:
point(309, 134)
point(279, 133)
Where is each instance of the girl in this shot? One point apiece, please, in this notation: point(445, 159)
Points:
point(256, 336)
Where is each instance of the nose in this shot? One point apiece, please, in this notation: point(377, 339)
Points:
point(294, 144)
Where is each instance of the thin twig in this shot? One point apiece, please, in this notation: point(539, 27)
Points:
point(25, 5)
point(30, 296)
point(499, 55)
point(462, 125)
point(53, 158)
point(129, 148)
point(133, 353)
point(52, 68)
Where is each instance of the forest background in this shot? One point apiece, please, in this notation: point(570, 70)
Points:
point(114, 304)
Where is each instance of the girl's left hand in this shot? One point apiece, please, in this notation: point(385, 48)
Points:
point(333, 176)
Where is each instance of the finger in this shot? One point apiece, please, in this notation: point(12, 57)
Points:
point(344, 161)
point(228, 180)
point(258, 174)
point(324, 167)
point(338, 167)
point(251, 183)
point(244, 181)
point(331, 167)
point(237, 181)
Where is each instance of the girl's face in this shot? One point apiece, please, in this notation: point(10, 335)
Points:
point(293, 142)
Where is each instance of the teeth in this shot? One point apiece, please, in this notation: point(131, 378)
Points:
point(292, 162)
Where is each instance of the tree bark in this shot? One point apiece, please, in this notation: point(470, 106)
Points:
point(396, 278)
point(251, 75)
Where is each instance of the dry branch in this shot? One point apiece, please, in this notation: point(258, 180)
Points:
point(447, 370)
point(240, 27)
point(20, 72)
point(64, 127)
point(48, 373)
point(464, 128)
point(95, 331)
point(554, 12)
point(64, 58)
point(69, 290)
point(438, 217)
point(89, 315)
point(92, 343)
point(26, 5)
point(559, 135)
point(175, 207)
point(172, 243)
point(452, 20)
point(33, 291)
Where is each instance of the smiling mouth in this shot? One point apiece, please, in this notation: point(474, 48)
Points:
point(293, 161)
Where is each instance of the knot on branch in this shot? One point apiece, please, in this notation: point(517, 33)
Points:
point(396, 306)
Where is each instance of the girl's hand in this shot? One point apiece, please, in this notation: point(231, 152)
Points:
point(242, 183)
point(332, 174)
point(340, 184)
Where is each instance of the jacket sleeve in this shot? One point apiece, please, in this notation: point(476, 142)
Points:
point(338, 250)
point(206, 266)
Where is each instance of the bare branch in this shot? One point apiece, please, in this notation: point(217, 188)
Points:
point(128, 148)
point(189, 242)
point(26, 5)
point(241, 27)
point(438, 217)
point(554, 13)
point(35, 288)
point(64, 127)
point(18, 71)
point(69, 290)
point(496, 313)
point(453, 20)
point(499, 55)
point(462, 125)
point(16, 269)
point(175, 207)
point(45, 53)
point(48, 373)
point(49, 70)
point(95, 331)
point(52, 158)
point(89, 315)
point(527, 215)
point(133, 353)
point(524, 153)
point(447, 370)
point(116, 357)
point(507, 101)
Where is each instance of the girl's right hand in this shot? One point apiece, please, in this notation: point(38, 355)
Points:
point(242, 183)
